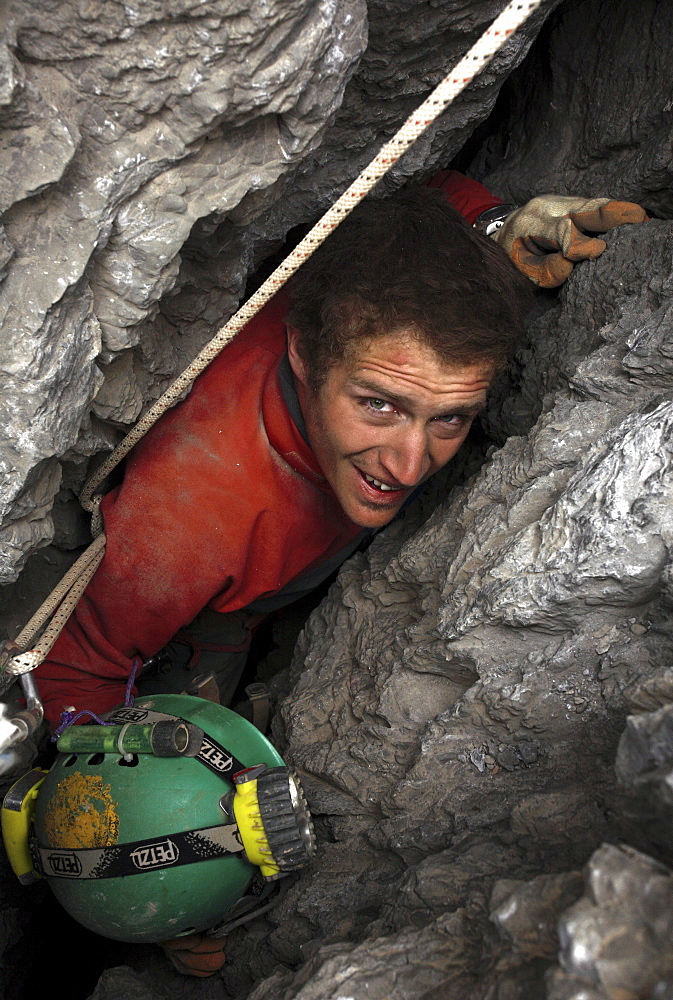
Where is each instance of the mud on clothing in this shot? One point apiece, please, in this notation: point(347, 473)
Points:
point(223, 506)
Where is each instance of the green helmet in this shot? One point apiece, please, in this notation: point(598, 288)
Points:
point(143, 847)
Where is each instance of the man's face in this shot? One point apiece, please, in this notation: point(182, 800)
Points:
point(386, 418)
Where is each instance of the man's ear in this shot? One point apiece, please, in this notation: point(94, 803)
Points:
point(294, 354)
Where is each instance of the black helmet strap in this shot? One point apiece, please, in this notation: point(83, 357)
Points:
point(136, 857)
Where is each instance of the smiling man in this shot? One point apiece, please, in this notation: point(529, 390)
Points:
point(397, 327)
point(312, 429)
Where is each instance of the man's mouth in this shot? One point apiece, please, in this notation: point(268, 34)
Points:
point(391, 493)
point(378, 484)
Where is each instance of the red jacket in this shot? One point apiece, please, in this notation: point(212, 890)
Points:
point(222, 503)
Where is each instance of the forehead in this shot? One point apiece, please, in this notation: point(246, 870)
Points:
point(402, 361)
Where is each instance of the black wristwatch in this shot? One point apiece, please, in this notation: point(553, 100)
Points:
point(493, 219)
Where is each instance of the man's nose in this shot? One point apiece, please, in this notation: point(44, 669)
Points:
point(406, 458)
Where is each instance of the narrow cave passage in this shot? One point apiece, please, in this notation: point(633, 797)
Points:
point(482, 716)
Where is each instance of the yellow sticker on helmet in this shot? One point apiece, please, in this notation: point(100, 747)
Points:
point(81, 813)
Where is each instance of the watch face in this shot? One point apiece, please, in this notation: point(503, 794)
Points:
point(489, 221)
point(493, 227)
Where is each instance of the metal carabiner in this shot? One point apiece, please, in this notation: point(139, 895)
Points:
point(25, 721)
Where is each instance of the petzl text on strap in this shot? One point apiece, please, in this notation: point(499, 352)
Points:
point(212, 754)
point(154, 854)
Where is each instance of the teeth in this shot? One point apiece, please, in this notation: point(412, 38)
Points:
point(375, 482)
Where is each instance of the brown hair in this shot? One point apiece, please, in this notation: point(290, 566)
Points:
point(408, 262)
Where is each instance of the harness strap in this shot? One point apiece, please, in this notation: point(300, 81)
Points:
point(260, 704)
point(197, 647)
point(138, 856)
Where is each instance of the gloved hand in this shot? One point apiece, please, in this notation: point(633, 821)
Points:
point(546, 236)
point(196, 954)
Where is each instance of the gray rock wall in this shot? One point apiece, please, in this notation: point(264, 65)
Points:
point(123, 126)
point(590, 111)
point(458, 701)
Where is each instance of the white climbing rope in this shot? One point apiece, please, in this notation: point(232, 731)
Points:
point(68, 591)
point(60, 604)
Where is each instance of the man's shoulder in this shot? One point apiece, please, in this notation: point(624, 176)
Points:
point(265, 331)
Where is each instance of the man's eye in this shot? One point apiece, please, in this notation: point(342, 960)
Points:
point(377, 404)
point(452, 420)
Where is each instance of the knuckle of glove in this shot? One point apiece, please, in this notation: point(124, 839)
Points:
point(546, 271)
point(533, 222)
point(608, 214)
point(546, 217)
point(556, 206)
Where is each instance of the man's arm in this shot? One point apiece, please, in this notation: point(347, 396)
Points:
point(467, 196)
point(549, 234)
point(179, 533)
point(160, 569)
point(221, 505)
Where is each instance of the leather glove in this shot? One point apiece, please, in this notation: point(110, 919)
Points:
point(547, 235)
point(196, 954)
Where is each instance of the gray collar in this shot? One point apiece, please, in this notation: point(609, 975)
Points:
point(290, 397)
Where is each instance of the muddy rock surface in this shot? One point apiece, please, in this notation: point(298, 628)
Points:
point(123, 126)
point(600, 117)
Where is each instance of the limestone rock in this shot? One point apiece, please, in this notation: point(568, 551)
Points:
point(644, 766)
point(528, 912)
point(381, 968)
point(646, 747)
point(616, 941)
point(122, 126)
point(598, 119)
